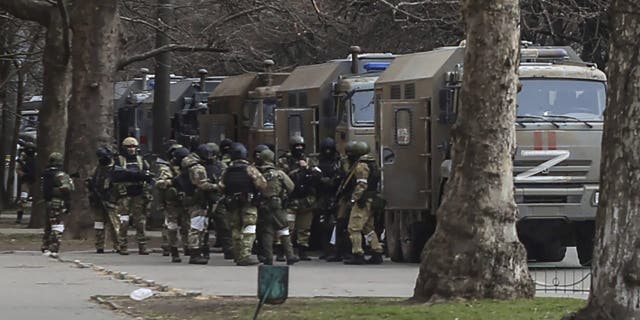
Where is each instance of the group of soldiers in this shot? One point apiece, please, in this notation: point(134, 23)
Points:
point(257, 210)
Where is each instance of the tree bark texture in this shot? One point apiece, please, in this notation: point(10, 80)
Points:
point(475, 252)
point(95, 26)
point(162, 88)
point(615, 281)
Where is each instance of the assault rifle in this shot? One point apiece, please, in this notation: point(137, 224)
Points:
point(345, 182)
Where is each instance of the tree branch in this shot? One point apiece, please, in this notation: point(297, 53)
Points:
point(32, 10)
point(168, 48)
point(148, 24)
point(65, 29)
point(233, 16)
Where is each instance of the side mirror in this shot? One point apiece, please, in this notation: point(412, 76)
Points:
point(447, 113)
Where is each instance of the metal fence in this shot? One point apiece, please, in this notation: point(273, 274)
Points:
point(561, 280)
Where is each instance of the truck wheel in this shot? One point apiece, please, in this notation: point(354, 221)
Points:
point(585, 235)
point(412, 231)
point(392, 235)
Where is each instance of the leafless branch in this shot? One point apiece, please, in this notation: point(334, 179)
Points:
point(168, 48)
point(65, 29)
point(148, 24)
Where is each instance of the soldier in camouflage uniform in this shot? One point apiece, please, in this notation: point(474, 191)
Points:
point(26, 169)
point(272, 218)
point(330, 163)
point(135, 194)
point(259, 246)
point(302, 200)
point(100, 199)
point(217, 211)
point(225, 150)
point(361, 186)
point(56, 191)
point(241, 183)
point(196, 185)
point(169, 201)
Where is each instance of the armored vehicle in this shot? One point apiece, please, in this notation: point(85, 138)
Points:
point(308, 99)
point(556, 166)
point(242, 108)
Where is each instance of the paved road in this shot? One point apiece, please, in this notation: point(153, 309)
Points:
point(37, 287)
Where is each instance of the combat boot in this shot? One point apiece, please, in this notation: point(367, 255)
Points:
point(376, 258)
point(279, 249)
point(302, 253)
point(123, 251)
point(19, 217)
point(355, 259)
point(248, 261)
point(166, 251)
point(99, 251)
point(196, 257)
point(142, 250)
point(228, 255)
point(187, 252)
point(288, 249)
point(175, 255)
point(205, 251)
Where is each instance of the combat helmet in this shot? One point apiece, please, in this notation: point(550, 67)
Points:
point(296, 141)
point(205, 152)
point(104, 155)
point(350, 148)
point(130, 144)
point(267, 155)
point(362, 148)
point(225, 145)
point(55, 159)
point(171, 149)
point(214, 148)
point(238, 151)
point(179, 154)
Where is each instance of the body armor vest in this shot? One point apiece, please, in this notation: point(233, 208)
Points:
point(214, 171)
point(331, 169)
point(183, 183)
point(274, 182)
point(49, 183)
point(237, 180)
point(29, 169)
point(303, 184)
point(374, 176)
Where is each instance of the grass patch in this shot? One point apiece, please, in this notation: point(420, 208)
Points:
point(177, 308)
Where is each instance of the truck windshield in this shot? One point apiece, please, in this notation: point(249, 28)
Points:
point(580, 99)
point(268, 110)
point(362, 108)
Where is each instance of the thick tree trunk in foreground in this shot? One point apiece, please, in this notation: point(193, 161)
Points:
point(95, 25)
point(475, 252)
point(615, 282)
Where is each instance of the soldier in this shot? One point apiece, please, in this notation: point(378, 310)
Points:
point(330, 163)
point(302, 199)
point(272, 217)
point(241, 183)
point(56, 191)
point(169, 201)
point(106, 215)
point(26, 168)
point(361, 184)
point(136, 195)
point(225, 149)
point(196, 184)
point(216, 213)
point(259, 246)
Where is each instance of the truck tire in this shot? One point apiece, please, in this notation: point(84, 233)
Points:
point(392, 235)
point(585, 237)
point(411, 234)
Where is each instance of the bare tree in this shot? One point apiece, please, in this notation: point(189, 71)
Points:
point(95, 35)
point(616, 271)
point(52, 126)
point(475, 252)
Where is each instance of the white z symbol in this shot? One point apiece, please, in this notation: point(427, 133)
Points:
point(558, 156)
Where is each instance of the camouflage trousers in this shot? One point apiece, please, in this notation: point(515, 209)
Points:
point(272, 220)
point(198, 225)
point(221, 225)
point(132, 210)
point(243, 217)
point(106, 218)
point(176, 221)
point(54, 226)
point(300, 217)
point(361, 223)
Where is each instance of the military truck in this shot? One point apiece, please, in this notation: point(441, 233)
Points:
point(242, 108)
point(556, 166)
point(309, 98)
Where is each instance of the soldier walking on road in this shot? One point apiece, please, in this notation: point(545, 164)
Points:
point(362, 184)
point(102, 202)
point(217, 210)
point(332, 174)
point(26, 169)
point(56, 191)
point(241, 184)
point(136, 195)
point(272, 218)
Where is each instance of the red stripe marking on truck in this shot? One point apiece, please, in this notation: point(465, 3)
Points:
point(551, 137)
point(537, 140)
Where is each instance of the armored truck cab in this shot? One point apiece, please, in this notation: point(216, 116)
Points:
point(309, 99)
point(240, 108)
point(558, 134)
point(355, 100)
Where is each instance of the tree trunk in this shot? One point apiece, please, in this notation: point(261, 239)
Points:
point(615, 281)
point(52, 116)
point(95, 25)
point(162, 87)
point(8, 106)
point(475, 252)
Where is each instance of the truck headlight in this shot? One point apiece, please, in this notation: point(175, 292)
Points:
point(595, 199)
